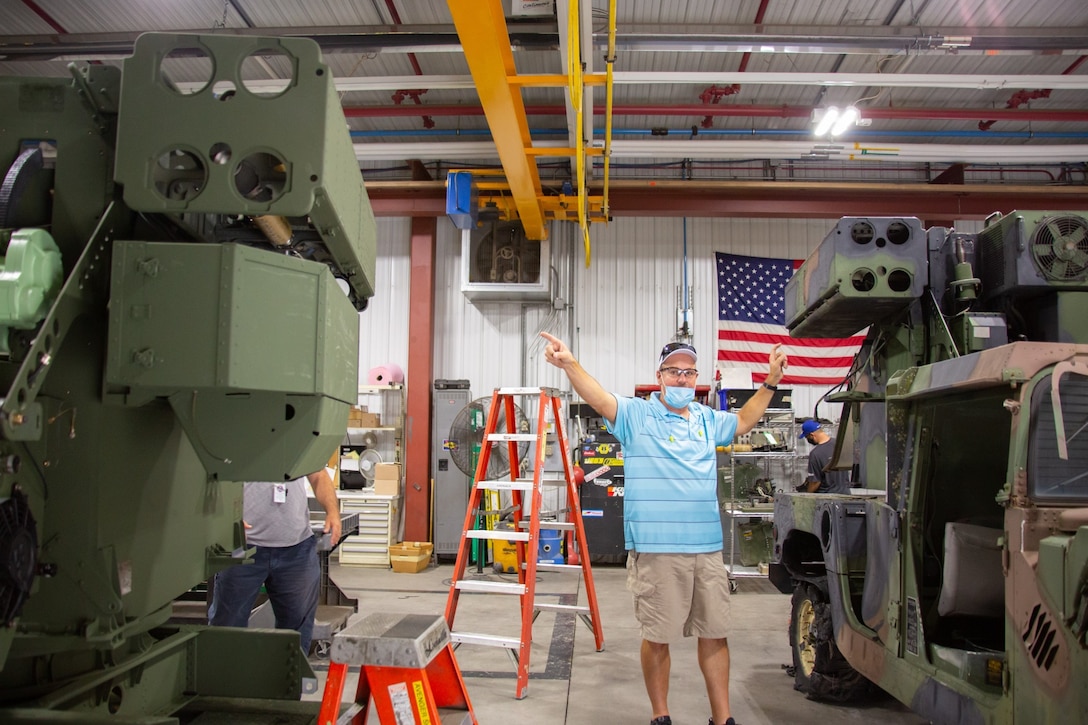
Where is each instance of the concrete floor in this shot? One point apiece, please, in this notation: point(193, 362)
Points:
point(573, 684)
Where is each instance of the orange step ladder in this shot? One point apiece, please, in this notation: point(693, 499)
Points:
point(406, 666)
point(526, 497)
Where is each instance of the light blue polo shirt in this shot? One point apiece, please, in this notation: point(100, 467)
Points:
point(670, 500)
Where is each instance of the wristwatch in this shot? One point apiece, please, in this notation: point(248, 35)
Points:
point(770, 387)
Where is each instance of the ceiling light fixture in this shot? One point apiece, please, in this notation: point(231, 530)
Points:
point(847, 118)
point(824, 118)
point(832, 121)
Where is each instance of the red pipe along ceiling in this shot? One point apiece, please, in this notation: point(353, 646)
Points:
point(966, 114)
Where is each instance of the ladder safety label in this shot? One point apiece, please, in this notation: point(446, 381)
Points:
point(421, 703)
point(402, 704)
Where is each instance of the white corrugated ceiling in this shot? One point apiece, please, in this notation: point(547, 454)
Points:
point(1047, 39)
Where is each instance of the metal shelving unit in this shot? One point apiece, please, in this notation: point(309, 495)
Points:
point(746, 491)
point(388, 402)
point(379, 514)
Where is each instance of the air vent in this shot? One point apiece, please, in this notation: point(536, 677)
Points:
point(1042, 638)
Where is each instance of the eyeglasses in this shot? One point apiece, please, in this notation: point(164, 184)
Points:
point(674, 346)
point(680, 373)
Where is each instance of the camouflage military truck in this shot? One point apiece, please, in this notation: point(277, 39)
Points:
point(959, 584)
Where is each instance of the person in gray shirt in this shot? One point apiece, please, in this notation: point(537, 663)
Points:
point(277, 520)
point(820, 480)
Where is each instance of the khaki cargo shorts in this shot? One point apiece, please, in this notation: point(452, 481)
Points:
point(679, 595)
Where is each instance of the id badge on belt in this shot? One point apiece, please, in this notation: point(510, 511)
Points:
point(279, 493)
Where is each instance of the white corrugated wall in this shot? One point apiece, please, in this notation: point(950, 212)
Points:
point(383, 325)
point(615, 315)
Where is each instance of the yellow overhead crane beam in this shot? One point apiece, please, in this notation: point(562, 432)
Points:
point(481, 26)
point(494, 196)
point(610, 59)
point(576, 90)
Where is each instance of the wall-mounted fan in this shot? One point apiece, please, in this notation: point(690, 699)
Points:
point(467, 436)
point(504, 255)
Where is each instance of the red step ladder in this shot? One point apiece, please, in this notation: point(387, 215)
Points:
point(526, 495)
point(406, 667)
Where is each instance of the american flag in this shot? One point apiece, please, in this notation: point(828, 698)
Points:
point(752, 318)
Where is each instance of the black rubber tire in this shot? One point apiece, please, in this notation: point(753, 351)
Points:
point(820, 670)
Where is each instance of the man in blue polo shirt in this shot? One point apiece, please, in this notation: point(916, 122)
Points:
point(671, 523)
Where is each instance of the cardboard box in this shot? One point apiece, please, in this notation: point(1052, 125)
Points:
point(360, 418)
point(387, 479)
point(333, 468)
point(387, 487)
point(387, 471)
point(410, 557)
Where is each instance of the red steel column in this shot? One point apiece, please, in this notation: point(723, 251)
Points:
point(417, 423)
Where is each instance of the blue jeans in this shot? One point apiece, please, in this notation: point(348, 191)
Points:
point(290, 575)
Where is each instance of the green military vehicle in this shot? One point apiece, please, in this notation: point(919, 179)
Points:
point(182, 263)
point(957, 578)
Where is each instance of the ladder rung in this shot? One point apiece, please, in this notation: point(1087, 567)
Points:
point(475, 585)
point(346, 716)
point(527, 391)
point(512, 437)
point(541, 565)
point(572, 608)
point(547, 478)
point(454, 716)
point(497, 534)
point(521, 484)
point(489, 640)
point(550, 525)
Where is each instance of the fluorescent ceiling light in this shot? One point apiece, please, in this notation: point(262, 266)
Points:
point(831, 115)
point(846, 119)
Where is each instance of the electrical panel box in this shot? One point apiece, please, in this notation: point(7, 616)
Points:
point(461, 200)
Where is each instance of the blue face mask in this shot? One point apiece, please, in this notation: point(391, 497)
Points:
point(678, 398)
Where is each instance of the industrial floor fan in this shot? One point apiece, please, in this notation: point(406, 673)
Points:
point(467, 430)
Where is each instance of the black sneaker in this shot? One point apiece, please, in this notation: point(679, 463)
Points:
point(663, 720)
point(730, 721)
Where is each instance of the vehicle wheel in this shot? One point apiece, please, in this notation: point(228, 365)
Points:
point(820, 670)
point(322, 648)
